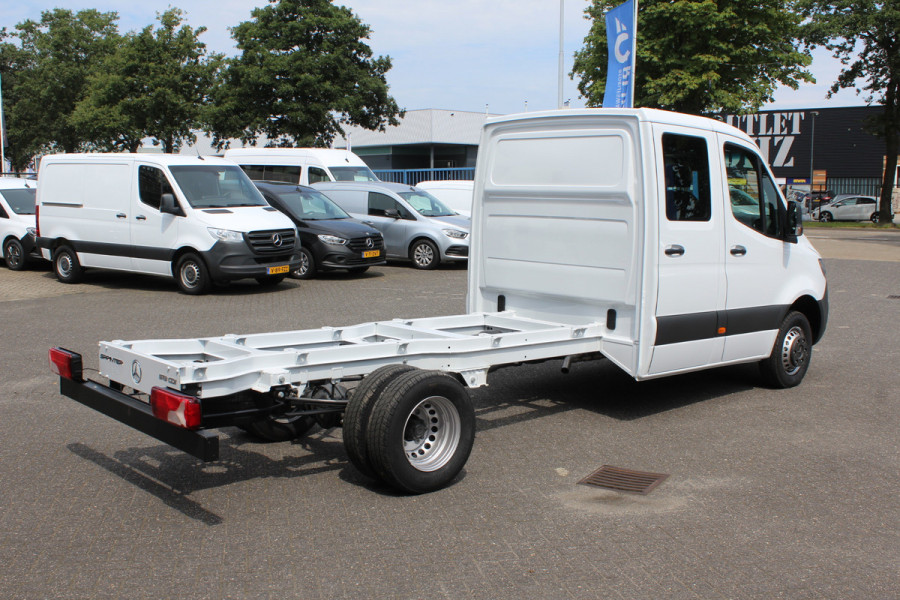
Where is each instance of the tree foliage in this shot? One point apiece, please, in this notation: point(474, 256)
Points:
point(304, 70)
point(53, 60)
point(153, 86)
point(865, 36)
point(701, 56)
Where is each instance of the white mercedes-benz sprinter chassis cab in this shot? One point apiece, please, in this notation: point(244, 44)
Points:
point(199, 220)
point(656, 240)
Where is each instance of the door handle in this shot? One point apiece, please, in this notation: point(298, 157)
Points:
point(674, 250)
point(121, 215)
point(141, 218)
point(738, 251)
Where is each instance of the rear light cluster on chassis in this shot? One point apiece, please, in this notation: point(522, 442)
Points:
point(168, 405)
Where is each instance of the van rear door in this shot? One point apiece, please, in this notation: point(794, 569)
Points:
point(691, 284)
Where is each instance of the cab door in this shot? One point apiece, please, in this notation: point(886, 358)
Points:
point(154, 235)
point(691, 274)
point(758, 261)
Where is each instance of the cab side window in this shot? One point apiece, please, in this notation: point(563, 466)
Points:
point(754, 198)
point(152, 184)
point(686, 165)
point(379, 203)
point(316, 175)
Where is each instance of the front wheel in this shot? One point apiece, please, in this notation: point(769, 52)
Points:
point(791, 354)
point(66, 265)
point(192, 275)
point(425, 255)
point(825, 217)
point(421, 431)
point(307, 269)
point(14, 254)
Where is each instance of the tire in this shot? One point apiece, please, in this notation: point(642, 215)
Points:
point(66, 265)
point(825, 217)
point(421, 431)
point(358, 411)
point(14, 254)
point(874, 218)
point(279, 430)
point(307, 268)
point(424, 255)
point(357, 270)
point(270, 280)
point(791, 353)
point(191, 275)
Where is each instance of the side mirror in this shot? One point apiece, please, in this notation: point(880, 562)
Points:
point(392, 213)
point(168, 205)
point(793, 226)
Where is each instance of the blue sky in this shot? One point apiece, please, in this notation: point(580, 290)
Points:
point(459, 55)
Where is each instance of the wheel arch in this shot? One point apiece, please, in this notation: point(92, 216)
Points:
point(181, 252)
point(812, 310)
point(422, 236)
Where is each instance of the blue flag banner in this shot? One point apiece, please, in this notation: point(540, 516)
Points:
point(620, 34)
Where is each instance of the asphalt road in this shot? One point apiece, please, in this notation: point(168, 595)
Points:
point(771, 494)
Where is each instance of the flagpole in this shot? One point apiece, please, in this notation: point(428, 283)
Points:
point(2, 132)
point(559, 100)
point(634, 54)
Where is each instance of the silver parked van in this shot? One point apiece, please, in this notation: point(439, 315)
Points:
point(415, 224)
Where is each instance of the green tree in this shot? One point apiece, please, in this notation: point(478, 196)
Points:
point(57, 55)
point(304, 70)
point(13, 62)
point(154, 85)
point(701, 56)
point(865, 36)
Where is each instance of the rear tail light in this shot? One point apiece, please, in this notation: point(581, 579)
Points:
point(66, 363)
point(176, 408)
point(37, 220)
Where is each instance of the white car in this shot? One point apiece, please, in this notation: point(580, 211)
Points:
point(849, 208)
point(17, 222)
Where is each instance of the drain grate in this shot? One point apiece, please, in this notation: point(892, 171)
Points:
point(624, 480)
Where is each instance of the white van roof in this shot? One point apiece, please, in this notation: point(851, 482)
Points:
point(15, 183)
point(150, 158)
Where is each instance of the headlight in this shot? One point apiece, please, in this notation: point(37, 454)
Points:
point(31, 230)
point(456, 234)
point(226, 235)
point(333, 239)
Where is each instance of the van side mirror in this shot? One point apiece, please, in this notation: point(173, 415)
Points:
point(392, 213)
point(793, 226)
point(168, 205)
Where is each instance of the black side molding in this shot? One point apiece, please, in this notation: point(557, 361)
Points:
point(138, 415)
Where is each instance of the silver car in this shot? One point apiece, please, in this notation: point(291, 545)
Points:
point(415, 224)
point(849, 208)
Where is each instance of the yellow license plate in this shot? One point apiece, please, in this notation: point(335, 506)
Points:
point(279, 270)
point(371, 253)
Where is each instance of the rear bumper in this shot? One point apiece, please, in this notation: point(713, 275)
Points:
point(138, 415)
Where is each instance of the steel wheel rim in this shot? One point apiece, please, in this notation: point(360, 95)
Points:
point(13, 255)
point(64, 264)
point(423, 255)
point(431, 433)
point(190, 274)
point(794, 351)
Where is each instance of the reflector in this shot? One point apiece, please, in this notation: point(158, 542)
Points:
point(65, 363)
point(176, 408)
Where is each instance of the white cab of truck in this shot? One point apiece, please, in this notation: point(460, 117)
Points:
point(303, 166)
point(666, 227)
point(197, 219)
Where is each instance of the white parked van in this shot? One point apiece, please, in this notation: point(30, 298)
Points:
point(17, 197)
point(303, 166)
point(455, 193)
point(198, 219)
point(415, 224)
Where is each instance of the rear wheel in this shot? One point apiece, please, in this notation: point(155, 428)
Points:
point(421, 431)
point(359, 409)
point(14, 254)
point(791, 354)
point(66, 265)
point(192, 275)
point(424, 254)
point(875, 218)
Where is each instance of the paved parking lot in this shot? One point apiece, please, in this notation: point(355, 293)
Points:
point(771, 494)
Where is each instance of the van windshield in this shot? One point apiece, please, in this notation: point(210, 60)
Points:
point(310, 205)
point(20, 201)
point(426, 204)
point(353, 174)
point(216, 186)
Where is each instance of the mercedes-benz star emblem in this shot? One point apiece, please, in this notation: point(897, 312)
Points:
point(136, 371)
point(370, 243)
point(276, 239)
